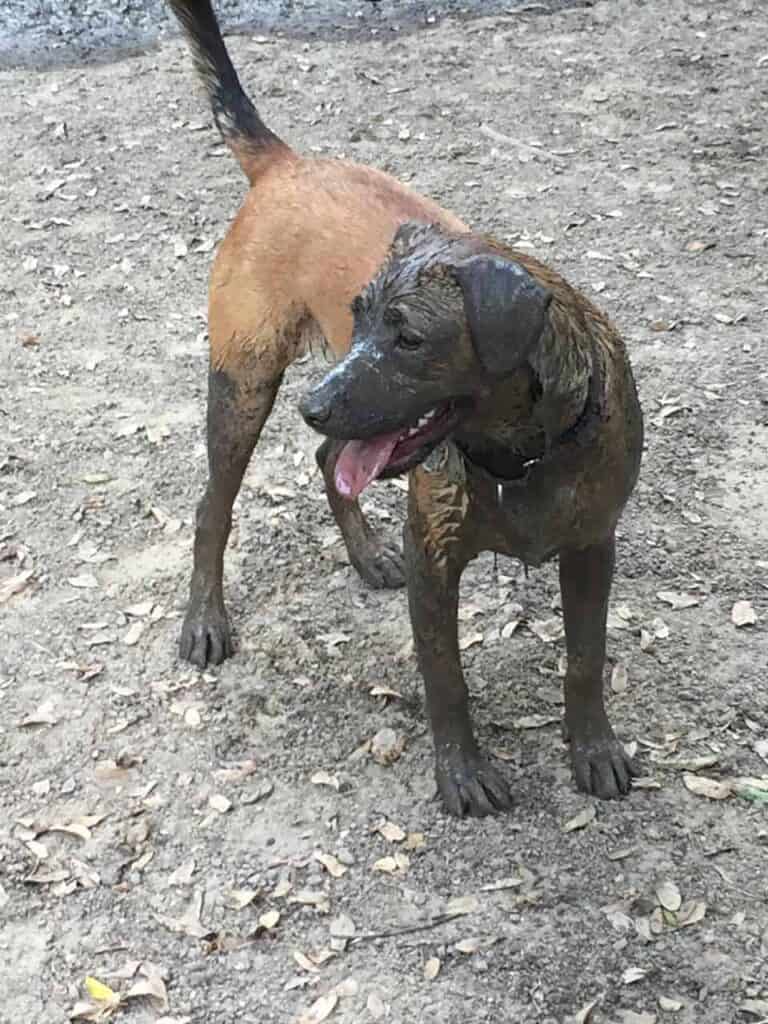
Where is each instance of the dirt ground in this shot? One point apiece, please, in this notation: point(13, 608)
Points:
point(166, 832)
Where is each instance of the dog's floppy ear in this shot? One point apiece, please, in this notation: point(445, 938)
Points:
point(506, 310)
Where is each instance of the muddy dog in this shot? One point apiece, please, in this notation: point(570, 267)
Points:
point(309, 235)
point(510, 399)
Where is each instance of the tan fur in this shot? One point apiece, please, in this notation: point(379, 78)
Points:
point(309, 236)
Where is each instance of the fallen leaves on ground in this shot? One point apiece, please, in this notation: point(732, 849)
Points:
point(331, 864)
point(148, 986)
point(398, 863)
point(743, 614)
point(386, 746)
point(390, 831)
point(431, 968)
point(15, 584)
point(322, 778)
point(580, 820)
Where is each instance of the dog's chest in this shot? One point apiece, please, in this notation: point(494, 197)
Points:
point(533, 518)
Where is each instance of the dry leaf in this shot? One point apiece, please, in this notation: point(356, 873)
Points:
point(503, 883)
point(386, 746)
point(375, 1006)
point(432, 968)
point(743, 614)
point(325, 779)
point(385, 691)
point(133, 634)
point(312, 898)
point(548, 630)
point(710, 788)
point(688, 764)
point(391, 832)
point(677, 601)
point(37, 849)
point(192, 717)
point(239, 899)
point(509, 628)
point(23, 498)
point(87, 581)
point(100, 992)
point(282, 888)
point(81, 831)
point(759, 1007)
point(619, 678)
point(462, 905)
point(400, 862)
point(621, 854)
point(415, 841)
point(347, 988)
point(304, 962)
point(320, 1010)
point(668, 895)
point(584, 1015)
point(220, 803)
point(470, 640)
point(467, 946)
point(580, 820)
point(331, 864)
point(151, 987)
point(691, 912)
point(183, 874)
point(42, 716)
point(269, 920)
point(535, 721)
point(633, 974)
point(342, 929)
point(672, 1005)
point(189, 923)
point(14, 585)
point(138, 611)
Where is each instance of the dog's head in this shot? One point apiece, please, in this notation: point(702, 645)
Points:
point(442, 321)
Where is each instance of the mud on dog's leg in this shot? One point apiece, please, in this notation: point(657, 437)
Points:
point(379, 562)
point(238, 406)
point(467, 783)
point(600, 764)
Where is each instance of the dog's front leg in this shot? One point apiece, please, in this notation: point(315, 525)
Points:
point(379, 563)
point(467, 783)
point(600, 764)
point(237, 410)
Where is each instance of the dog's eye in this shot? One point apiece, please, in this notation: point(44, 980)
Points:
point(408, 342)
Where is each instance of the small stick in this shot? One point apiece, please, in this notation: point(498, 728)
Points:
point(435, 922)
point(509, 141)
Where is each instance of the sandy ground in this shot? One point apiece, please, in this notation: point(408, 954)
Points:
point(220, 846)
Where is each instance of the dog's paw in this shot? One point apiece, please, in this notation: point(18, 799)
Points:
point(469, 785)
point(601, 765)
point(205, 635)
point(380, 564)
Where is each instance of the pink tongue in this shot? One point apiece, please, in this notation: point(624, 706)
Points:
point(362, 461)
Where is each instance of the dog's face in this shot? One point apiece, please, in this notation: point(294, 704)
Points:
point(442, 321)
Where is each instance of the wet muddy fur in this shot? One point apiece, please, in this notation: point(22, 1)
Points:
point(542, 456)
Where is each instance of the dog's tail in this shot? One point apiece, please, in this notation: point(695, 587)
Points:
point(237, 119)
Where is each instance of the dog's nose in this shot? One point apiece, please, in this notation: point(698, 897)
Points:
point(315, 409)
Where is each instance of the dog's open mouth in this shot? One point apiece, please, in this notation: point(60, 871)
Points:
point(360, 462)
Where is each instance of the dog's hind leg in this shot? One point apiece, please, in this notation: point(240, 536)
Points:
point(239, 403)
point(600, 764)
point(379, 563)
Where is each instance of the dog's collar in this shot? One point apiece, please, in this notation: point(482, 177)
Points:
point(580, 432)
